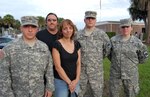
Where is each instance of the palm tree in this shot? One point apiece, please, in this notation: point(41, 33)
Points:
point(41, 22)
point(1, 24)
point(137, 14)
point(16, 24)
point(148, 8)
point(60, 19)
point(139, 8)
point(1, 21)
point(8, 20)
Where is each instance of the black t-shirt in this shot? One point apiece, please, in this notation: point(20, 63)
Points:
point(68, 60)
point(47, 38)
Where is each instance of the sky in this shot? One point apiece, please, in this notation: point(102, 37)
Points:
point(110, 10)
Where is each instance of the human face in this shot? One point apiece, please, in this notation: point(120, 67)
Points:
point(67, 30)
point(29, 32)
point(52, 22)
point(90, 22)
point(126, 30)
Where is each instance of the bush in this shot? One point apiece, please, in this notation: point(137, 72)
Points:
point(144, 36)
point(111, 34)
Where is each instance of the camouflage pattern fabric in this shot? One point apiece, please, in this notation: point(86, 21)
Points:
point(90, 14)
point(29, 20)
point(5, 80)
point(93, 49)
point(23, 68)
point(125, 57)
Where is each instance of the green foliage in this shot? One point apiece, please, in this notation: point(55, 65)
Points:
point(111, 34)
point(17, 24)
point(1, 21)
point(144, 36)
point(144, 80)
point(41, 22)
point(8, 20)
point(60, 19)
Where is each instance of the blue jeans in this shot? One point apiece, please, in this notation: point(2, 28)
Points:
point(62, 90)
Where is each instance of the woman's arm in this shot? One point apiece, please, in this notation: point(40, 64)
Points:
point(59, 69)
point(73, 84)
point(78, 66)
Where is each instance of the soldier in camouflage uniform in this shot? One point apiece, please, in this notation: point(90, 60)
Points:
point(26, 61)
point(95, 45)
point(127, 52)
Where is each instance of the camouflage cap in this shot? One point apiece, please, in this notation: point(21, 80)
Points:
point(90, 14)
point(29, 20)
point(126, 22)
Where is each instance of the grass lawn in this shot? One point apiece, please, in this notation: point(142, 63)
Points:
point(144, 78)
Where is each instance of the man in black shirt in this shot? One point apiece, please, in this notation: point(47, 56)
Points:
point(49, 35)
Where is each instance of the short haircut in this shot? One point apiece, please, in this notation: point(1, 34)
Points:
point(51, 14)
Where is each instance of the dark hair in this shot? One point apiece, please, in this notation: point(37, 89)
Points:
point(69, 22)
point(51, 14)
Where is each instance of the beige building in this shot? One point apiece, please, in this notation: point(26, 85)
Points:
point(113, 26)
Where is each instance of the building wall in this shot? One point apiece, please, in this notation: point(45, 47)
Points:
point(138, 28)
point(114, 27)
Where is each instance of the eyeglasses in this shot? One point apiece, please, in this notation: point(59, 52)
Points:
point(50, 20)
point(124, 27)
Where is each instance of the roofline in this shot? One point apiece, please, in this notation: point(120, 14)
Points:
point(117, 22)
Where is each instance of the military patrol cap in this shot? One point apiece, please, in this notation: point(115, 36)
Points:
point(125, 22)
point(29, 20)
point(91, 14)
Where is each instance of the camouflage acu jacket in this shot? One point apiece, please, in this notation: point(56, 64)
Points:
point(93, 49)
point(23, 68)
point(125, 57)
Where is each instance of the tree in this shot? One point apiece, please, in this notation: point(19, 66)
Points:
point(1, 24)
point(138, 14)
point(140, 9)
point(1, 21)
point(41, 22)
point(16, 24)
point(8, 20)
point(60, 20)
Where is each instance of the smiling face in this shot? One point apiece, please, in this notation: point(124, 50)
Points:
point(67, 29)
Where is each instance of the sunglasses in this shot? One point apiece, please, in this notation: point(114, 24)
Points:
point(125, 27)
point(50, 20)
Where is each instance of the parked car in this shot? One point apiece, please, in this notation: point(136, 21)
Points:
point(4, 41)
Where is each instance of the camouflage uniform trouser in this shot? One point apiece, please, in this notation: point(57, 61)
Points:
point(91, 86)
point(129, 89)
